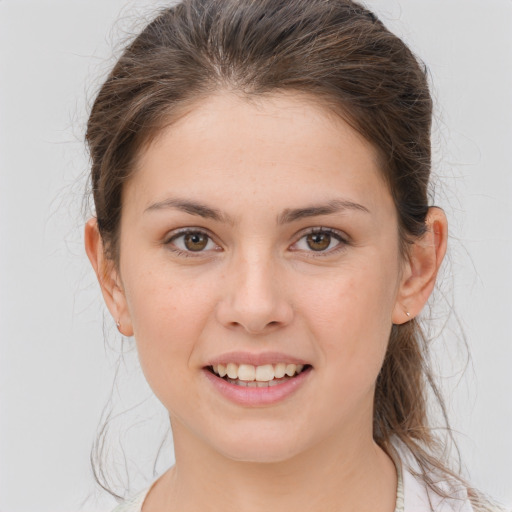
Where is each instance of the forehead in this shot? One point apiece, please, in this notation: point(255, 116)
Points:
point(226, 144)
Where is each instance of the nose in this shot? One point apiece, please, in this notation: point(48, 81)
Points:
point(254, 298)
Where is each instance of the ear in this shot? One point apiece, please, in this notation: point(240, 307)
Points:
point(108, 278)
point(419, 275)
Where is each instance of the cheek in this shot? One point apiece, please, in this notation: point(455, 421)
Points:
point(349, 314)
point(168, 317)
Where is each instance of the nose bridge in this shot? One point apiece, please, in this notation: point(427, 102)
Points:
point(254, 282)
point(255, 296)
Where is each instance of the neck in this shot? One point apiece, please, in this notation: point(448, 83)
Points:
point(348, 476)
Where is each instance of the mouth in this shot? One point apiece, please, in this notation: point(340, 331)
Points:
point(263, 376)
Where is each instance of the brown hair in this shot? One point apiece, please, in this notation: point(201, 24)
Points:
point(334, 50)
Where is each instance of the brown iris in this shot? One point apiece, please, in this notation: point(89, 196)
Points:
point(195, 241)
point(318, 241)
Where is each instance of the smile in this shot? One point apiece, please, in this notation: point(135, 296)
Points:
point(257, 380)
point(263, 376)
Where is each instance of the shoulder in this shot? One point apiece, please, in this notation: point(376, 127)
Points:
point(453, 495)
point(132, 505)
point(418, 497)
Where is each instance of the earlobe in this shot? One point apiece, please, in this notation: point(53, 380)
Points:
point(108, 278)
point(425, 257)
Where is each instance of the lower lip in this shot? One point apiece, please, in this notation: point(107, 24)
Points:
point(254, 396)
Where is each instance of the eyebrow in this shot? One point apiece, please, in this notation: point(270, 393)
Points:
point(191, 207)
point(288, 215)
point(334, 206)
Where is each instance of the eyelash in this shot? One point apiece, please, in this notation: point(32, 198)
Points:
point(313, 254)
point(182, 233)
point(333, 233)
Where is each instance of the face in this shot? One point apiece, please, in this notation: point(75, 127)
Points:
point(259, 239)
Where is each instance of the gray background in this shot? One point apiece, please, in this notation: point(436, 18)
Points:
point(56, 370)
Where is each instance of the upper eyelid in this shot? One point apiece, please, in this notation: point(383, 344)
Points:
point(168, 242)
point(343, 241)
point(175, 233)
point(320, 229)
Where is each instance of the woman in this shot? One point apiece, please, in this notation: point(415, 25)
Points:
point(260, 176)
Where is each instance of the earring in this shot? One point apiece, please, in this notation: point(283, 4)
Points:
point(118, 325)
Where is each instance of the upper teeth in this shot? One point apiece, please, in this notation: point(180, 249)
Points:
point(264, 373)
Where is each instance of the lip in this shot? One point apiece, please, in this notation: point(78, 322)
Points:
point(254, 396)
point(256, 359)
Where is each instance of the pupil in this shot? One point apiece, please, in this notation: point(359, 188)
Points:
point(318, 241)
point(195, 241)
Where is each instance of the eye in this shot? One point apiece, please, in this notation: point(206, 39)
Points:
point(192, 241)
point(320, 240)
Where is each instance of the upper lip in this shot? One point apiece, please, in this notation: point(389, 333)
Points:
point(256, 359)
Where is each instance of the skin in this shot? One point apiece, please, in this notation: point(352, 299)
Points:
point(258, 286)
